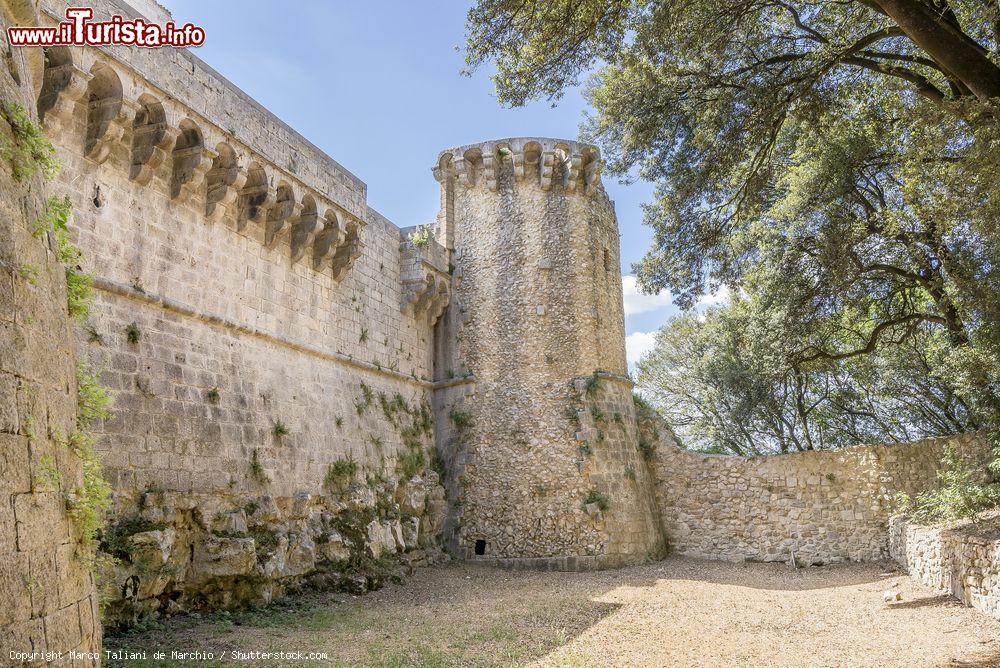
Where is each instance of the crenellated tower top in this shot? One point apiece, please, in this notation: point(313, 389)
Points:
point(572, 166)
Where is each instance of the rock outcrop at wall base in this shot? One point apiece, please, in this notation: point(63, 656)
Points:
point(176, 552)
point(962, 560)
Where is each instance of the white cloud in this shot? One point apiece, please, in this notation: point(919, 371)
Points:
point(636, 302)
point(720, 297)
point(638, 344)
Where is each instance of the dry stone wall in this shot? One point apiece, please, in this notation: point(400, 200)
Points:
point(48, 603)
point(962, 560)
point(819, 506)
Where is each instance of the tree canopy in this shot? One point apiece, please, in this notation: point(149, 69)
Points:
point(836, 162)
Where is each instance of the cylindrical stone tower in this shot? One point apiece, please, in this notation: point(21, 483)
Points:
point(540, 440)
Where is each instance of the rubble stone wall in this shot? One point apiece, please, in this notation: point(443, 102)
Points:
point(820, 506)
point(541, 447)
point(962, 560)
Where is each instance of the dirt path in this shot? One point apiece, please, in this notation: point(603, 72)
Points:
point(678, 612)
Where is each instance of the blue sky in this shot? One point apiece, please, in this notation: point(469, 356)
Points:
point(377, 86)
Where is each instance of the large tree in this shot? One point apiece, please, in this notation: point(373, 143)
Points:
point(839, 160)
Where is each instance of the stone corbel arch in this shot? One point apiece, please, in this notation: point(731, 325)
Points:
point(349, 251)
point(255, 198)
point(191, 159)
point(151, 139)
point(328, 239)
point(285, 208)
point(107, 116)
point(224, 182)
point(305, 227)
point(64, 84)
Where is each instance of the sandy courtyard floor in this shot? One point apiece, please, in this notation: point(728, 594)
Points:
point(678, 612)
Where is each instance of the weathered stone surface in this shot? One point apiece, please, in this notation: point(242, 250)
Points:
point(957, 560)
point(818, 506)
point(221, 557)
point(44, 580)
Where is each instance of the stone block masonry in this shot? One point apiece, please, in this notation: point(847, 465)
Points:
point(266, 334)
point(48, 602)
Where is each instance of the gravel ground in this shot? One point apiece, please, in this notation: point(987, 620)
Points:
point(677, 612)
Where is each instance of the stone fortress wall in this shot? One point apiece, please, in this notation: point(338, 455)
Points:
point(266, 334)
point(47, 598)
point(304, 389)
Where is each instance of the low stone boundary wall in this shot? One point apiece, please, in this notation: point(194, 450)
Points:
point(822, 506)
point(963, 561)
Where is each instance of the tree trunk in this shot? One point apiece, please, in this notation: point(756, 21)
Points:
point(957, 53)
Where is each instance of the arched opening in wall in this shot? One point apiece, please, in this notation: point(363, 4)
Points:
point(57, 74)
point(560, 170)
point(532, 158)
point(441, 351)
point(253, 196)
point(591, 167)
point(148, 131)
point(104, 103)
point(473, 164)
point(222, 175)
point(186, 155)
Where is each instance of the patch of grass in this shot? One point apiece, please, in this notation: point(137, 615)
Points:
point(47, 474)
point(29, 273)
point(93, 336)
point(412, 462)
point(213, 395)
point(257, 469)
point(364, 335)
point(92, 400)
point(593, 385)
point(338, 421)
point(133, 333)
point(340, 473)
point(462, 419)
point(596, 497)
point(630, 473)
point(597, 414)
point(646, 448)
point(584, 450)
point(279, 429)
point(27, 150)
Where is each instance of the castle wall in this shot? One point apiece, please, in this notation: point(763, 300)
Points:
point(48, 603)
point(267, 336)
point(823, 506)
point(536, 311)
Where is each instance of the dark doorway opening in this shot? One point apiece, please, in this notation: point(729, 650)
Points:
point(480, 547)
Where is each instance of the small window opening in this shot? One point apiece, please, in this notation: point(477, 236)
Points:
point(480, 547)
point(607, 260)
